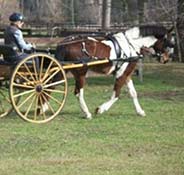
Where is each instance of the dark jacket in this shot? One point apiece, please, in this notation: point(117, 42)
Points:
point(13, 36)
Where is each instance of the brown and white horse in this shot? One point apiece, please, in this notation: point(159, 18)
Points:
point(133, 42)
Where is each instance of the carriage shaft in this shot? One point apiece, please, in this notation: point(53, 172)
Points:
point(80, 65)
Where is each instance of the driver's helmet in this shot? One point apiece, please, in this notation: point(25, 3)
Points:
point(14, 17)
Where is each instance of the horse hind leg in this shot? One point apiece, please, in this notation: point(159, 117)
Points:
point(133, 94)
point(106, 106)
point(120, 81)
point(83, 105)
point(79, 92)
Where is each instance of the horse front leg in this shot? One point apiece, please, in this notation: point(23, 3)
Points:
point(79, 92)
point(133, 94)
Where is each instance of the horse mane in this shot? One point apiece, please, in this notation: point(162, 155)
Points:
point(155, 30)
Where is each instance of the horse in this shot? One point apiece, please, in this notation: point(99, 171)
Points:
point(133, 42)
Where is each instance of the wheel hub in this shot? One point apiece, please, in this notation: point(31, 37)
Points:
point(39, 88)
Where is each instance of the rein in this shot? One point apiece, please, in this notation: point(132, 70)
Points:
point(72, 41)
point(153, 54)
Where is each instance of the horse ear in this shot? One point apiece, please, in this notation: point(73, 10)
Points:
point(170, 30)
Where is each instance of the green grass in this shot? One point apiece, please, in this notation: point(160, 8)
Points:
point(117, 142)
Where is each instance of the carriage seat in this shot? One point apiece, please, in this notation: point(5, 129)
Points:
point(8, 52)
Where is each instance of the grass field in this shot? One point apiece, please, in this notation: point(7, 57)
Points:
point(117, 142)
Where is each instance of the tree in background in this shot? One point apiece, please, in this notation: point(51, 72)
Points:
point(45, 11)
point(106, 14)
point(141, 6)
point(6, 9)
point(180, 26)
point(88, 12)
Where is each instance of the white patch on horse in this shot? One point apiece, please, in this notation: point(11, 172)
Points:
point(105, 106)
point(93, 39)
point(44, 108)
point(133, 33)
point(133, 94)
point(83, 105)
point(126, 49)
point(113, 67)
point(113, 55)
point(121, 70)
point(133, 36)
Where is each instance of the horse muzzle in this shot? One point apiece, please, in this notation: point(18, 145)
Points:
point(163, 58)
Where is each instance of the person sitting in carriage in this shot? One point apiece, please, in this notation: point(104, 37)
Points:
point(13, 36)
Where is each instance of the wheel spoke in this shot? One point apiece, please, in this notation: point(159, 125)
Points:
point(22, 86)
point(50, 77)
point(41, 67)
point(36, 107)
point(29, 107)
point(54, 99)
point(54, 84)
point(41, 103)
point(34, 67)
point(23, 93)
point(25, 100)
point(46, 74)
point(48, 103)
point(30, 73)
point(55, 90)
point(25, 78)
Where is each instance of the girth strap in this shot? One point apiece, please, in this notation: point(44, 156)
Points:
point(116, 45)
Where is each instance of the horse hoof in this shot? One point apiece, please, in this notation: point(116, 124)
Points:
point(141, 113)
point(89, 116)
point(99, 110)
point(96, 110)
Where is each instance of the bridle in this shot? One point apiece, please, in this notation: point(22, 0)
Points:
point(158, 50)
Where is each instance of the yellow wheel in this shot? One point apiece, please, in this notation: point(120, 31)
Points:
point(5, 102)
point(40, 82)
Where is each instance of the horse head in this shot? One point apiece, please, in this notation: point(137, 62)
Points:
point(162, 48)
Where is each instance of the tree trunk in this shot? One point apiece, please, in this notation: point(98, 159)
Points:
point(133, 15)
point(180, 27)
point(140, 4)
point(72, 12)
point(106, 14)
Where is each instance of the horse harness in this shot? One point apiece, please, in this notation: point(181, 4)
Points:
point(118, 51)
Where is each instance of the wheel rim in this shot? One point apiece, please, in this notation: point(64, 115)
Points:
point(42, 86)
point(5, 102)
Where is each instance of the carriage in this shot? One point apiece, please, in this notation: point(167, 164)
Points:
point(36, 87)
point(27, 87)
